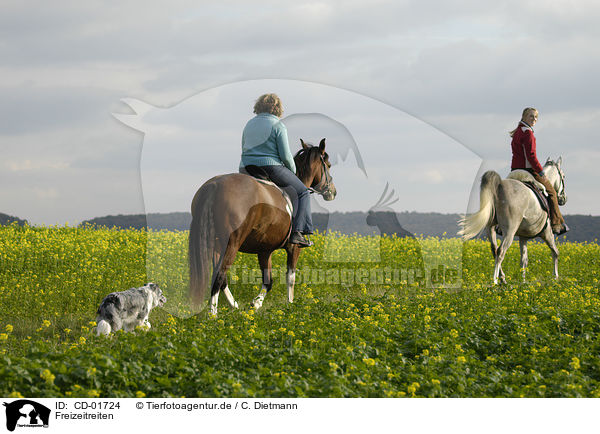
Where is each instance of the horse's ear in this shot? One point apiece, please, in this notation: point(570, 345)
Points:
point(322, 146)
point(304, 145)
point(548, 160)
point(559, 161)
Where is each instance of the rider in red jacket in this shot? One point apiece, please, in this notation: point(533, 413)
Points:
point(524, 157)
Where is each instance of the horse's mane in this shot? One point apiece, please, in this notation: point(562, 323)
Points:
point(303, 158)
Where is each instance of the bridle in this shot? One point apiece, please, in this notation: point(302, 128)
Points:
point(561, 196)
point(324, 185)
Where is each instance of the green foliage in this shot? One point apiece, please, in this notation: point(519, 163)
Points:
point(373, 338)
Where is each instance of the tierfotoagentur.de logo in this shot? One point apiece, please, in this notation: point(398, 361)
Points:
point(25, 413)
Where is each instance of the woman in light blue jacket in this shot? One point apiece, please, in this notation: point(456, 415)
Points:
point(265, 144)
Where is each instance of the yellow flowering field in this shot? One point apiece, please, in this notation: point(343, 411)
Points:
point(372, 317)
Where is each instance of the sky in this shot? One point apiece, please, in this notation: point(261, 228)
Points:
point(426, 92)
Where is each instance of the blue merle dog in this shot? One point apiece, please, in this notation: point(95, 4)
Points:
point(128, 309)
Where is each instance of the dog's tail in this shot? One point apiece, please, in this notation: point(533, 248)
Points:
point(103, 328)
point(473, 224)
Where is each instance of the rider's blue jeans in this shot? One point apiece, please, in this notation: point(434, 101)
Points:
point(300, 195)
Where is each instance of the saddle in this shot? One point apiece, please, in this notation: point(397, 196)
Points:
point(537, 188)
point(261, 176)
point(524, 176)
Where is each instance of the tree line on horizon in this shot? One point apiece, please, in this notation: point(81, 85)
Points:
point(583, 227)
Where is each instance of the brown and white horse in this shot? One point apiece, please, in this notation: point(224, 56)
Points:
point(235, 212)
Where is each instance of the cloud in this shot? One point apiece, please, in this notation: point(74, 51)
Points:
point(28, 165)
point(465, 68)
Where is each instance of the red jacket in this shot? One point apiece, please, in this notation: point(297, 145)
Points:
point(523, 149)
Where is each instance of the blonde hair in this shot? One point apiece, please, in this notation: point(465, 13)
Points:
point(269, 103)
point(526, 111)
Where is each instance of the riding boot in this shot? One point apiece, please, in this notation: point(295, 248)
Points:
point(556, 219)
point(301, 240)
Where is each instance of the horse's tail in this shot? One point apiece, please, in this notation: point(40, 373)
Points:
point(201, 243)
point(473, 224)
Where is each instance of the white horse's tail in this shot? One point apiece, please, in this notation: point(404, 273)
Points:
point(473, 224)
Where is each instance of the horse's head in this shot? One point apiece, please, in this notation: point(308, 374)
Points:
point(555, 174)
point(312, 167)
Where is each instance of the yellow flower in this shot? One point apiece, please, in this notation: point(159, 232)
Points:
point(575, 363)
point(3, 336)
point(454, 333)
point(435, 382)
point(461, 359)
point(369, 362)
point(15, 395)
point(47, 376)
point(82, 340)
point(333, 365)
point(413, 387)
point(9, 328)
point(140, 394)
point(46, 323)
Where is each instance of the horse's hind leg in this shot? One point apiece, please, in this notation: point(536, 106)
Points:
point(220, 279)
point(506, 242)
point(524, 258)
point(264, 261)
point(230, 298)
point(494, 245)
point(548, 237)
point(292, 259)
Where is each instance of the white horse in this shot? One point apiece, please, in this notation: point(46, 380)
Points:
point(514, 208)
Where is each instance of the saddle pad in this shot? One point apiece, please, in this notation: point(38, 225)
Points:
point(288, 201)
point(256, 173)
point(540, 196)
point(524, 176)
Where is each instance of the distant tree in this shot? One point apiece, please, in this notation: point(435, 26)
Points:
point(380, 218)
point(6, 219)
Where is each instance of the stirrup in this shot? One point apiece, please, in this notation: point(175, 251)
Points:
point(301, 240)
point(563, 230)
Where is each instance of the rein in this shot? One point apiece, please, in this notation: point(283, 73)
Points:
point(324, 184)
point(560, 193)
